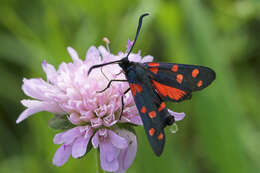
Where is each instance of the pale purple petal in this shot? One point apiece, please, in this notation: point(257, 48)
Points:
point(58, 138)
point(47, 106)
point(126, 156)
point(129, 45)
point(117, 141)
point(96, 122)
point(177, 116)
point(26, 113)
point(74, 118)
point(36, 88)
point(93, 55)
point(135, 57)
point(50, 72)
point(62, 155)
point(108, 156)
point(104, 53)
point(147, 58)
point(36, 106)
point(70, 135)
point(95, 140)
point(79, 147)
point(74, 55)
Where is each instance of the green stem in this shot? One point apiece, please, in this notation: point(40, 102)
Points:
point(99, 169)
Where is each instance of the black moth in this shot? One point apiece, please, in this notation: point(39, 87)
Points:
point(153, 83)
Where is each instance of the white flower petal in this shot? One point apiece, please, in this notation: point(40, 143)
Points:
point(147, 58)
point(93, 55)
point(79, 147)
point(74, 55)
point(37, 106)
point(177, 116)
point(117, 140)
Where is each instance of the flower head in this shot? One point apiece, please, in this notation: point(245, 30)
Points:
point(72, 96)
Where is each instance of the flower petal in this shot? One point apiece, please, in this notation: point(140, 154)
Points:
point(37, 106)
point(105, 54)
point(79, 147)
point(70, 135)
point(93, 55)
point(62, 155)
point(95, 140)
point(74, 55)
point(117, 140)
point(126, 156)
point(50, 72)
point(177, 116)
point(58, 138)
point(129, 45)
point(147, 58)
point(108, 156)
point(134, 57)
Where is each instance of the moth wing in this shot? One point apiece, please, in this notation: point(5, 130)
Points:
point(176, 82)
point(152, 110)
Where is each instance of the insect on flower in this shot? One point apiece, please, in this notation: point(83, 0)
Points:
point(153, 83)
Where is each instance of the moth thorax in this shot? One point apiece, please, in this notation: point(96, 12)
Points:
point(125, 63)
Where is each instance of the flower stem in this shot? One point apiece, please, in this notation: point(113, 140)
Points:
point(99, 169)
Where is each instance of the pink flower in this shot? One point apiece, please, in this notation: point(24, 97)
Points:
point(71, 94)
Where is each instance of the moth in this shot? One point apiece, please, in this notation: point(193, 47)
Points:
point(152, 84)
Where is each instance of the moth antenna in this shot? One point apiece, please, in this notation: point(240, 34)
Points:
point(116, 62)
point(137, 32)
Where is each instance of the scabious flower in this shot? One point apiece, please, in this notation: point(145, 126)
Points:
point(88, 118)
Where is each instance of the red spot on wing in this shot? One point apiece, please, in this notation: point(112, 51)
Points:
point(143, 110)
point(135, 88)
point(132, 87)
point(195, 72)
point(153, 64)
point(138, 88)
point(160, 136)
point(162, 106)
point(151, 131)
point(154, 70)
point(152, 114)
point(199, 84)
point(179, 78)
point(174, 68)
point(172, 93)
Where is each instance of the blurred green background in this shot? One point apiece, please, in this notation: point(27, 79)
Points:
point(221, 130)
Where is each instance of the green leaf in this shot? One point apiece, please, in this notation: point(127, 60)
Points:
point(60, 122)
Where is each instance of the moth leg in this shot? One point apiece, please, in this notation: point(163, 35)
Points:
point(109, 83)
point(123, 104)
